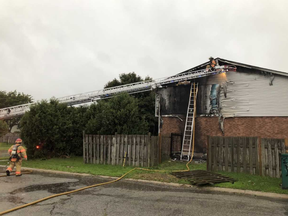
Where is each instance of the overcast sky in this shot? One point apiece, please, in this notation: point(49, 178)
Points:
point(58, 48)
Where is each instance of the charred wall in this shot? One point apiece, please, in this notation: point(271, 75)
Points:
point(174, 99)
point(243, 93)
point(253, 103)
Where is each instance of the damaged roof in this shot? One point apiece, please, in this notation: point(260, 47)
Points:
point(225, 61)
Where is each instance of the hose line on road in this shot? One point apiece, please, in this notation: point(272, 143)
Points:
point(13, 173)
point(91, 186)
point(105, 183)
point(87, 187)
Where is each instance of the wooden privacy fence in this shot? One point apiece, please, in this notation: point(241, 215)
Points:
point(139, 150)
point(246, 154)
point(9, 138)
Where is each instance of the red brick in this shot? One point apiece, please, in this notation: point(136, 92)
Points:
point(172, 125)
point(265, 127)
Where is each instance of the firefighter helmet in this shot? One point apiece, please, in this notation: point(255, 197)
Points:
point(18, 141)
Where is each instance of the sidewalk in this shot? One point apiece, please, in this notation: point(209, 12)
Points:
point(200, 189)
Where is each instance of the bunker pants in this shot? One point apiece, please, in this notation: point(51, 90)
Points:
point(18, 165)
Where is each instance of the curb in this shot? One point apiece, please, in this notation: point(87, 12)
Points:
point(207, 189)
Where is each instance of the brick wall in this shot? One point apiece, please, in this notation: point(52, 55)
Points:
point(172, 125)
point(265, 127)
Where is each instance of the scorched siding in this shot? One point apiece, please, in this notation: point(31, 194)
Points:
point(250, 94)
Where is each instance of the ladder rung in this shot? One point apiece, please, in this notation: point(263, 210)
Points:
point(187, 139)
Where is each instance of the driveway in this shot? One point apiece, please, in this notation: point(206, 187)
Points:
point(125, 198)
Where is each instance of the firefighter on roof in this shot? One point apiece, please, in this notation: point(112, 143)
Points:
point(17, 153)
point(212, 64)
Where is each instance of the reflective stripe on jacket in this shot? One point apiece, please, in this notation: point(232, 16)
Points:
point(20, 151)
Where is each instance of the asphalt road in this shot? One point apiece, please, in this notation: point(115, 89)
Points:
point(125, 198)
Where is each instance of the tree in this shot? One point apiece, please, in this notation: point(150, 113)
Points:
point(119, 115)
point(124, 79)
point(13, 99)
point(56, 128)
point(3, 128)
point(146, 100)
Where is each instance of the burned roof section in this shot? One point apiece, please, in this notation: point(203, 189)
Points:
point(222, 61)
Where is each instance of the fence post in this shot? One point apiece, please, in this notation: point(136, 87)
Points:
point(209, 154)
point(260, 156)
point(121, 144)
point(152, 150)
point(98, 149)
point(109, 149)
point(135, 150)
point(238, 141)
point(84, 147)
point(277, 161)
point(263, 159)
point(113, 149)
point(125, 149)
point(138, 150)
point(149, 149)
point(105, 140)
point(129, 143)
point(226, 146)
point(94, 149)
point(101, 148)
point(116, 148)
point(90, 149)
point(142, 141)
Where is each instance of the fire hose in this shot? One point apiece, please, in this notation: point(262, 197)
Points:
point(100, 184)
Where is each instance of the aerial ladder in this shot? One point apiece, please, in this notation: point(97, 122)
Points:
point(132, 88)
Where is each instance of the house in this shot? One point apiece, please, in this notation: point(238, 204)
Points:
point(251, 101)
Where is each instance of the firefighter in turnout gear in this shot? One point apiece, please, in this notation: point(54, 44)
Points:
point(17, 153)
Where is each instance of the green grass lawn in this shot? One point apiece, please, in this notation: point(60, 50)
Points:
point(253, 182)
point(5, 146)
point(159, 173)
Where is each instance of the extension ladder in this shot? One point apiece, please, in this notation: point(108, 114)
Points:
point(189, 123)
point(132, 88)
